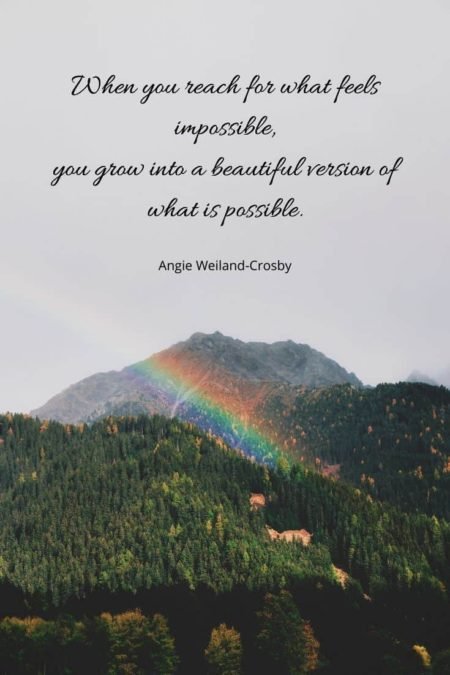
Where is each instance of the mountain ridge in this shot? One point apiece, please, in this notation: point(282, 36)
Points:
point(218, 357)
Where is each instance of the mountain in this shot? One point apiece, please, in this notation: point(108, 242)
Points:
point(287, 361)
point(214, 364)
point(151, 512)
point(158, 512)
point(390, 441)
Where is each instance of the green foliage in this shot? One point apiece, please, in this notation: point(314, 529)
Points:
point(162, 656)
point(133, 503)
point(132, 643)
point(139, 645)
point(224, 651)
point(128, 506)
point(392, 441)
point(282, 639)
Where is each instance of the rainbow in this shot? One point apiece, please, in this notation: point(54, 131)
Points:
point(191, 400)
point(188, 398)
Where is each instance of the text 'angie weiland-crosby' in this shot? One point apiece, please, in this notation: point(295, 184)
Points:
point(179, 266)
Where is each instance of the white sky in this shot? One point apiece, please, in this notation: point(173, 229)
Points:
point(79, 290)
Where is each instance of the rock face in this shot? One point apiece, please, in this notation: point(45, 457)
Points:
point(100, 395)
point(257, 501)
point(302, 536)
point(296, 364)
point(236, 373)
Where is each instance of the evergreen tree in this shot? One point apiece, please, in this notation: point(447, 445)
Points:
point(160, 644)
point(281, 638)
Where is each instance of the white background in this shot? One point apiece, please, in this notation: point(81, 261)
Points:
point(79, 289)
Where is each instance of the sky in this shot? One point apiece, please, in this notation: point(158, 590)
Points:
point(79, 287)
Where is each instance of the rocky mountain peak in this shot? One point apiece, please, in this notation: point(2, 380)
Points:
point(213, 361)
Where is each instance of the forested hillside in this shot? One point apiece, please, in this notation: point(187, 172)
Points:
point(153, 513)
point(392, 441)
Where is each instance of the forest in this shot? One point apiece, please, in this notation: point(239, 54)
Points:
point(391, 441)
point(130, 546)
